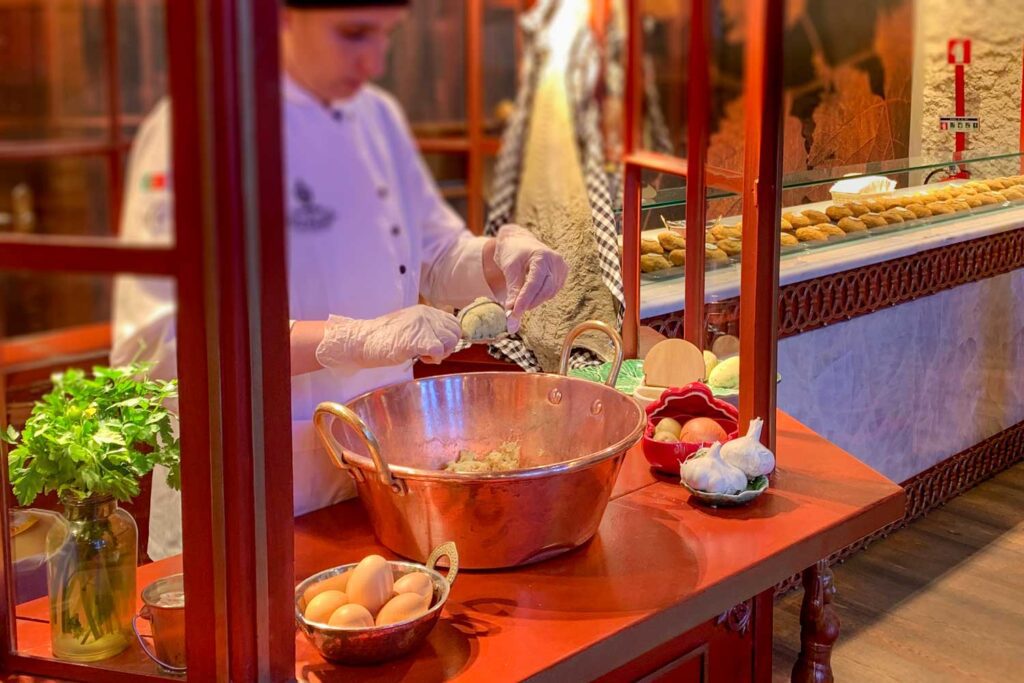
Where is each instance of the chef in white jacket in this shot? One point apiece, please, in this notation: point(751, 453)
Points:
point(368, 234)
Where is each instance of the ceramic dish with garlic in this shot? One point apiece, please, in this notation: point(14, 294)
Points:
point(732, 473)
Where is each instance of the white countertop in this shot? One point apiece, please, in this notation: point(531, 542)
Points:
point(661, 297)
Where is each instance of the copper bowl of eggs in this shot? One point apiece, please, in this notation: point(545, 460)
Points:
point(404, 628)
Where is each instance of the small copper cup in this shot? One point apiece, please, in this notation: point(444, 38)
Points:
point(164, 608)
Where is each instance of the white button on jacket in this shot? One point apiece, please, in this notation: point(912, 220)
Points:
point(368, 233)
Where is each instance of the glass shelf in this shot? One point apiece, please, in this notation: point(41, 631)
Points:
point(918, 233)
point(895, 166)
point(675, 195)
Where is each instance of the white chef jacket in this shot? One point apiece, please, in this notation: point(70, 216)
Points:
point(368, 232)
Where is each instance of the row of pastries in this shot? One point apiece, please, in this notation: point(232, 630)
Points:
point(836, 221)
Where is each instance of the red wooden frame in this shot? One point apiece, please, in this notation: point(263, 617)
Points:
point(233, 348)
point(762, 207)
point(760, 187)
point(693, 168)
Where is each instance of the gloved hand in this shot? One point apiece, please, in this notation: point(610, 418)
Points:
point(533, 271)
point(393, 339)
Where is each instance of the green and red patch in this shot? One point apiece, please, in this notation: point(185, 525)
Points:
point(154, 181)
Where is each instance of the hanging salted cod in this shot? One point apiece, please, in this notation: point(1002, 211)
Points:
point(550, 179)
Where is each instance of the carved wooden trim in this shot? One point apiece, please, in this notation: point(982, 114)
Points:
point(819, 626)
point(737, 619)
point(815, 303)
point(939, 484)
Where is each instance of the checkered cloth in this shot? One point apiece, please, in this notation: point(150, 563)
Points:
point(584, 66)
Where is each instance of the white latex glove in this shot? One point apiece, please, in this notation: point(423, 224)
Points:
point(533, 271)
point(393, 339)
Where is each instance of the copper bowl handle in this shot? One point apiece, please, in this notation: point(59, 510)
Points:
point(322, 419)
point(597, 326)
point(446, 550)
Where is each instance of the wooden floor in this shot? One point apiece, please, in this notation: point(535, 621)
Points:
point(941, 600)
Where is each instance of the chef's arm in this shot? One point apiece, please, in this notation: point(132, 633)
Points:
point(460, 268)
point(514, 268)
point(306, 336)
point(492, 272)
point(393, 339)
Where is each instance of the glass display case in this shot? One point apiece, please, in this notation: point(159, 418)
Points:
point(867, 93)
point(934, 201)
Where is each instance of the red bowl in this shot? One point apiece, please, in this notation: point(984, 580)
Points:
point(682, 404)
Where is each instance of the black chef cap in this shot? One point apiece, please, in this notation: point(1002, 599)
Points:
point(344, 4)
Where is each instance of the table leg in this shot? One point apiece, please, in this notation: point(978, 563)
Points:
point(819, 626)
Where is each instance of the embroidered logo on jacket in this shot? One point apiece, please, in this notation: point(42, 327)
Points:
point(309, 215)
point(152, 182)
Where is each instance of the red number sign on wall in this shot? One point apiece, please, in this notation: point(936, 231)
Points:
point(958, 51)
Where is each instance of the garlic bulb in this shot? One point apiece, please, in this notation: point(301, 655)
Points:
point(748, 453)
point(708, 472)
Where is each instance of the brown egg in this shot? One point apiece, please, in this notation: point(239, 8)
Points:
point(321, 607)
point(351, 616)
point(702, 430)
point(416, 582)
point(402, 608)
point(372, 583)
point(338, 582)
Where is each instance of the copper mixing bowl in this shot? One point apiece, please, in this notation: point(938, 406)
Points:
point(573, 435)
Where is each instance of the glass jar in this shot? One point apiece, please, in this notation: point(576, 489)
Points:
point(91, 561)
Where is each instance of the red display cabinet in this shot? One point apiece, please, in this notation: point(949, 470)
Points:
point(227, 263)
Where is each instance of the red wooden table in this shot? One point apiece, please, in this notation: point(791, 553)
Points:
point(645, 593)
point(644, 597)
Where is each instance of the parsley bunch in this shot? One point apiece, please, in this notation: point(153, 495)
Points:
point(95, 436)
